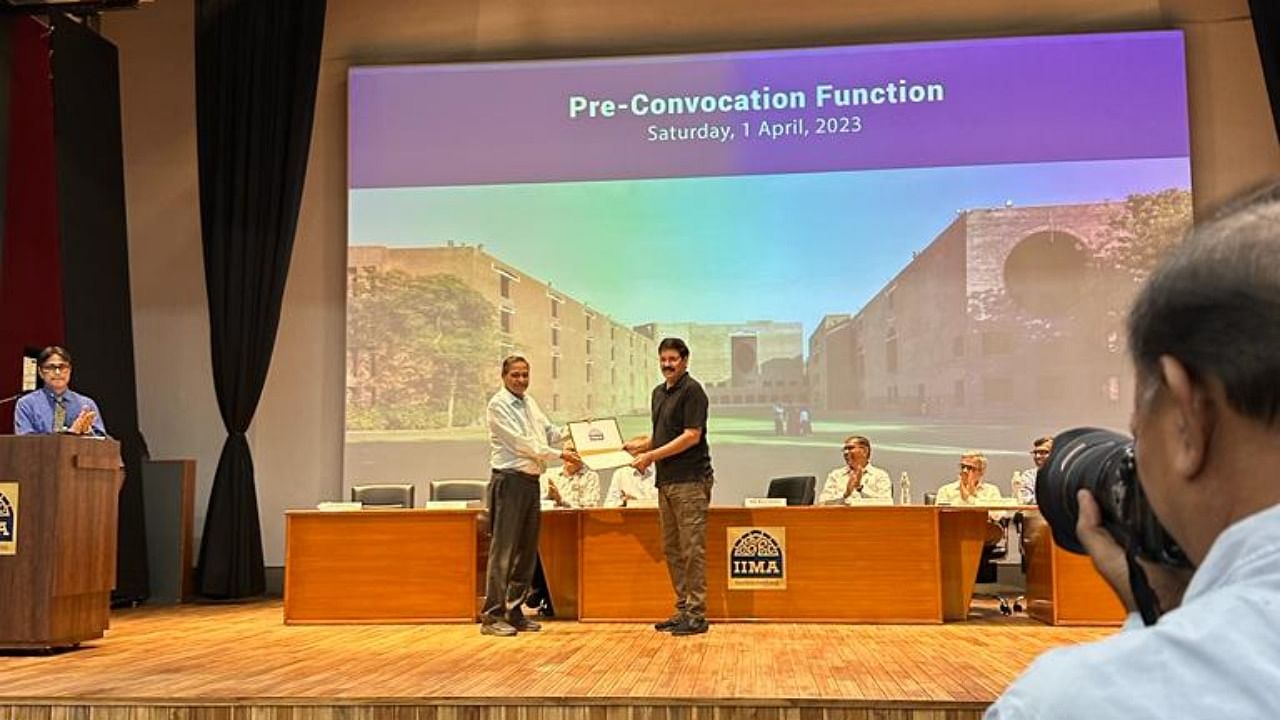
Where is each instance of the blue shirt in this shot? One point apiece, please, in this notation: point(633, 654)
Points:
point(34, 413)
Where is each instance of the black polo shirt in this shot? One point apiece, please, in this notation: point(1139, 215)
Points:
point(683, 405)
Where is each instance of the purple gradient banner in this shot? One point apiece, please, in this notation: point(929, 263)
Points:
point(1044, 99)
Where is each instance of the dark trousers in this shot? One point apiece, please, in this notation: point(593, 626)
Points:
point(515, 513)
point(682, 513)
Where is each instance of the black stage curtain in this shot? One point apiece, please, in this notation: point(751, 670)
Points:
point(97, 311)
point(6, 68)
point(256, 69)
point(1266, 27)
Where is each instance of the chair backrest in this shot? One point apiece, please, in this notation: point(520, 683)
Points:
point(798, 489)
point(931, 498)
point(383, 495)
point(459, 489)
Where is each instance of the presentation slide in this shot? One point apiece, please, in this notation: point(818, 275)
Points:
point(933, 245)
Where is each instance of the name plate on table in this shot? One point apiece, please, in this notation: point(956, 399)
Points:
point(548, 504)
point(446, 504)
point(339, 506)
point(764, 502)
point(868, 502)
point(646, 503)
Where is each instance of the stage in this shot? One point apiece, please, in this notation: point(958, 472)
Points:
point(241, 662)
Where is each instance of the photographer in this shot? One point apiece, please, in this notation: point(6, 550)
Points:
point(1204, 334)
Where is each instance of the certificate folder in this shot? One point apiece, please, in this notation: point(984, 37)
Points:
point(599, 443)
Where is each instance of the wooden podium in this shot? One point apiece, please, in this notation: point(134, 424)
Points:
point(58, 563)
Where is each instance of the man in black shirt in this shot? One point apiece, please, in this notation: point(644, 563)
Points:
point(678, 446)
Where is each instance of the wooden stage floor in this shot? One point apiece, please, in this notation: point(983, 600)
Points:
point(240, 662)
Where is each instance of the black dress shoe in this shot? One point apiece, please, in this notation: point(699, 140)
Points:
point(497, 627)
point(669, 624)
point(524, 624)
point(690, 626)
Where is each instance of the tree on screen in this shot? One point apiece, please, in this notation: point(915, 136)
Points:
point(1148, 227)
point(417, 351)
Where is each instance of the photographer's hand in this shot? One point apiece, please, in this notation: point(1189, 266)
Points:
point(1109, 558)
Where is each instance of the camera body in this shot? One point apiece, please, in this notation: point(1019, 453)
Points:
point(1102, 462)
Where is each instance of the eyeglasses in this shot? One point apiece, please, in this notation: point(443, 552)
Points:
point(55, 368)
point(1038, 453)
point(964, 467)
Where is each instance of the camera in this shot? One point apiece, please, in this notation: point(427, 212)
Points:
point(1102, 462)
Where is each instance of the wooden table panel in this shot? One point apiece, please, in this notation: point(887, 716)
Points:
point(622, 571)
point(380, 566)
point(1064, 588)
point(558, 547)
point(962, 532)
point(874, 564)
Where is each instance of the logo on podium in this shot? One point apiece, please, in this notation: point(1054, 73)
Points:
point(8, 518)
point(757, 558)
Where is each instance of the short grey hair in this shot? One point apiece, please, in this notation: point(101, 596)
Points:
point(977, 456)
point(1214, 305)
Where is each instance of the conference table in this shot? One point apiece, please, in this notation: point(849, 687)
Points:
point(880, 564)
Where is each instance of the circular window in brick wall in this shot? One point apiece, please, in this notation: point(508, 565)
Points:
point(1044, 273)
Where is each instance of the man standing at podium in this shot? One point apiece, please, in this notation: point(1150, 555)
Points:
point(56, 408)
point(521, 441)
point(678, 446)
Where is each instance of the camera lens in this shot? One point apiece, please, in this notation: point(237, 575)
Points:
point(1082, 459)
point(1102, 462)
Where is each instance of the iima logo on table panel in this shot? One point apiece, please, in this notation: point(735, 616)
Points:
point(757, 558)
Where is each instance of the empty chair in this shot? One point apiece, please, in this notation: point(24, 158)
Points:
point(460, 489)
point(798, 489)
point(383, 495)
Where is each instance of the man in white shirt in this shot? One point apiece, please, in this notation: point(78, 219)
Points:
point(969, 488)
point(857, 478)
point(521, 441)
point(1025, 487)
point(630, 484)
point(572, 485)
point(1204, 336)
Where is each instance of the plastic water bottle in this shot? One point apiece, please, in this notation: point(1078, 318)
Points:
point(904, 489)
point(1015, 484)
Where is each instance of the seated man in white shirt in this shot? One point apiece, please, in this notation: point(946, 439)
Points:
point(969, 488)
point(571, 485)
point(857, 478)
point(1025, 488)
point(630, 484)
